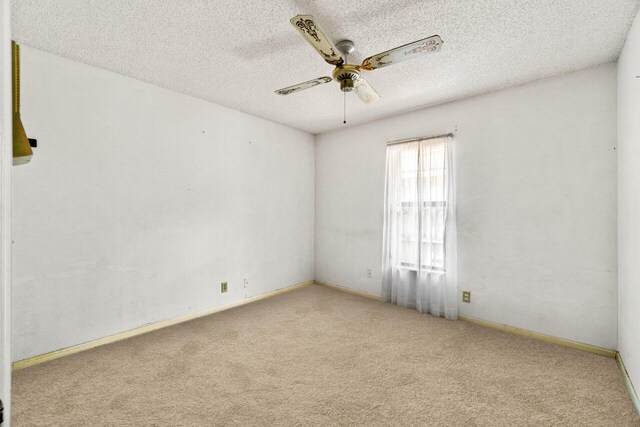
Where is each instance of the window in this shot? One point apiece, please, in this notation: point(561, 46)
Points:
point(419, 257)
point(419, 206)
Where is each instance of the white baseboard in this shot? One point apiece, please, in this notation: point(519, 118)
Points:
point(505, 328)
point(347, 290)
point(542, 337)
point(36, 360)
point(627, 381)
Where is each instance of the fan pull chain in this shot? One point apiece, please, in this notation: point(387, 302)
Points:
point(344, 118)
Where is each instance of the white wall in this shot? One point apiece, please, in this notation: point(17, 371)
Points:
point(629, 204)
point(536, 176)
point(139, 201)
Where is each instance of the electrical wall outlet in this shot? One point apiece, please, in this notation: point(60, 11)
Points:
point(466, 296)
point(369, 273)
point(223, 287)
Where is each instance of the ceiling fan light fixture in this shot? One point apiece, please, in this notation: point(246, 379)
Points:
point(346, 85)
point(346, 75)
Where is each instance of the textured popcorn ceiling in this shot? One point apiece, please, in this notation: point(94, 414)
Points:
point(237, 52)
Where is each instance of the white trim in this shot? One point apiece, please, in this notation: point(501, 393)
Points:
point(606, 352)
point(6, 163)
point(348, 290)
point(589, 348)
point(629, 384)
point(36, 360)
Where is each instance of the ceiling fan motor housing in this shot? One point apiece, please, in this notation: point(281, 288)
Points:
point(346, 75)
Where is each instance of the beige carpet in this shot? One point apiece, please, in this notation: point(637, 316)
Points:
point(317, 356)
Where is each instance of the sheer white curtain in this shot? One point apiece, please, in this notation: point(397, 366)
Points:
point(419, 253)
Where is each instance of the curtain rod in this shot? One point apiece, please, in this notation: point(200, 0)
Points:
point(404, 141)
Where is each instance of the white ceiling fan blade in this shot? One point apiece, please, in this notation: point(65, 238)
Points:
point(364, 91)
point(316, 38)
point(303, 86)
point(402, 53)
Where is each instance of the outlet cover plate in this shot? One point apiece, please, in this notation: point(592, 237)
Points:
point(466, 296)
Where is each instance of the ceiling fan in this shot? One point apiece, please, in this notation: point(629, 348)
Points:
point(349, 75)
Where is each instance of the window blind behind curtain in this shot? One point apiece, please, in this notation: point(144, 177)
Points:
point(419, 250)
